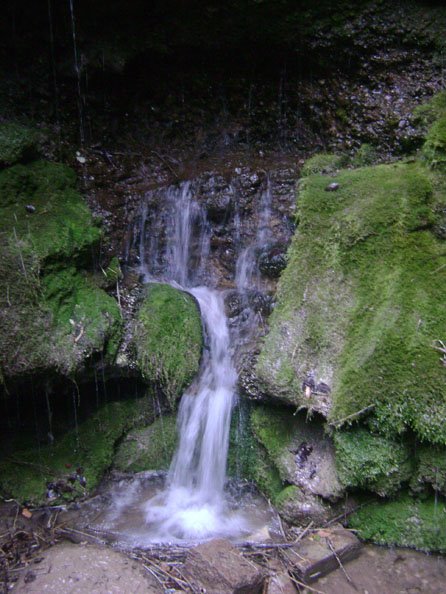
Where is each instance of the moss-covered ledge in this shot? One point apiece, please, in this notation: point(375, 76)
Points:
point(168, 339)
point(53, 316)
point(361, 303)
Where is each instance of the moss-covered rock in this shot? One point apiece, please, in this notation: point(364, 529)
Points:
point(324, 163)
point(372, 462)
point(298, 507)
point(366, 155)
point(25, 474)
point(431, 469)
point(52, 314)
point(361, 303)
point(434, 149)
point(149, 448)
point(247, 458)
point(168, 339)
point(17, 143)
point(303, 455)
point(407, 522)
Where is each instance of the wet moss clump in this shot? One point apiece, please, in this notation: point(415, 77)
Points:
point(431, 469)
point(168, 339)
point(406, 522)
point(149, 448)
point(27, 470)
point(53, 315)
point(247, 458)
point(372, 462)
point(17, 143)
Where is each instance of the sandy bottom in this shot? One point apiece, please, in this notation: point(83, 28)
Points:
point(379, 570)
point(91, 569)
point(85, 569)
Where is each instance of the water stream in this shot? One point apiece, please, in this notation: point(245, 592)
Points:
point(193, 502)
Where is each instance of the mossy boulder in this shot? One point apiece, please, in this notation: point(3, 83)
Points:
point(361, 303)
point(149, 448)
point(17, 143)
point(372, 462)
point(168, 339)
point(52, 314)
point(406, 522)
point(303, 455)
point(431, 469)
point(28, 467)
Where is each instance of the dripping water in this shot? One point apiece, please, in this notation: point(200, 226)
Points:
point(77, 69)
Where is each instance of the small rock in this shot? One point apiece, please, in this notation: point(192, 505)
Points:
point(218, 567)
point(30, 208)
point(332, 187)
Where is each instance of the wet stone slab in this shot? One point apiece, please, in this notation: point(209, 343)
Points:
point(321, 552)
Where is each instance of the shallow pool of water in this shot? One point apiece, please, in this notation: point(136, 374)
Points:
point(138, 510)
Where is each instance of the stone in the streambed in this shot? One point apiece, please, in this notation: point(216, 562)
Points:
point(321, 552)
point(218, 567)
point(280, 583)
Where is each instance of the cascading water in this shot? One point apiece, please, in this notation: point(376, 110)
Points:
point(193, 503)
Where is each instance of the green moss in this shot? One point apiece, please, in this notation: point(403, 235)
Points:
point(406, 522)
point(274, 428)
point(372, 462)
point(61, 226)
point(168, 339)
point(434, 149)
point(431, 469)
point(362, 301)
point(150, 448)
point(323, 163)
point(247, 458)
point(365, 155)
point(425, 115)
point(24, 474)
point(84, 317)
point(43, 286)
point(16, 143)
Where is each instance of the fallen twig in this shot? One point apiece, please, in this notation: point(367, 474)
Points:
point(303, 585)
point(332, 549)
point(351, 417)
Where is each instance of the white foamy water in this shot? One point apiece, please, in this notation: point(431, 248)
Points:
point(194, 506)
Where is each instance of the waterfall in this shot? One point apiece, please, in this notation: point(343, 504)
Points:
point(246, 271)
point(193, 504)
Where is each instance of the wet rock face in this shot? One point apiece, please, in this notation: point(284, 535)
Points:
point(232, 211)
point(272, 260)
